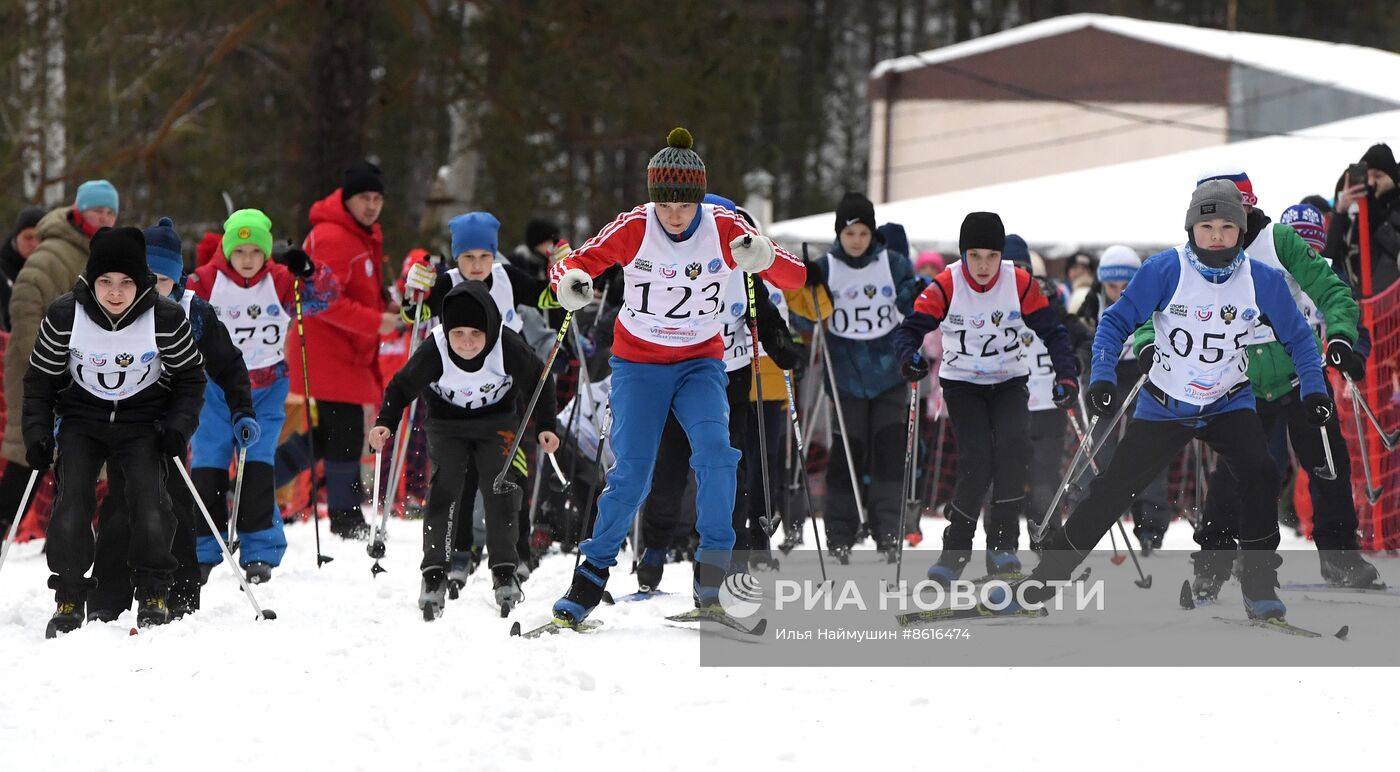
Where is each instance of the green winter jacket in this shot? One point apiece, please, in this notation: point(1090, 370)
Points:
point(1271, 374)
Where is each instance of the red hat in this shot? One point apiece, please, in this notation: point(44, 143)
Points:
point(1232, 174)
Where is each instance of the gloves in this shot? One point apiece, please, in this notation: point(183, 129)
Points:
point(1319, 409)
point(575, 289)
point(38, 455)
point(1103, 398)
point(1343, 359)
point(171, 442)
point(561, 251)
point(816, 276)
point(1146, 357)
point(246, 431)
point(753, 254)
point(1064, 392)
point(783, 353)
point(299, 263)
point(915, 368)
point(420, 278)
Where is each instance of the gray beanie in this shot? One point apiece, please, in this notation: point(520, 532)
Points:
point(1214, 199)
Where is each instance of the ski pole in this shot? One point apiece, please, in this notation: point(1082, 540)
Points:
point(501, 484)
point(769, 524)
point(309, 406)
point(376, 545)
point(802, 467)
point(554, 462)
point(1144, 580)
point(841, 419)
point(398, 460)
point(1373, 494)
point(908, 477)
point(237, 500)
point(1328, 472)
point(593, 498)
point(261, 612)
point(1388, 439)
point(19, 513)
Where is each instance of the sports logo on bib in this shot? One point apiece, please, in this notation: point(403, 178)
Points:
point(124, 359)
point(692, 271)
point(1205, 312)
point(1027, 338)
point(147, 357)
point(996, 318)
point(668, 271)
point(254, 312)
point(851, 293)
point(1249, 314)
point(977, 321)
point(234, 313)
point(273, 309)
point(715, 265)
point(1228, 313)
point(98, 360)
point(869, 290)
point(642, 264)
point(887, 291)
point(737, 309)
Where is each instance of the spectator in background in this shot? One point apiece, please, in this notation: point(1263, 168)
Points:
point(21, 242)
point(1079, 275)
point(342, 343)
point(49, 271)
point(533, 255)
point(929, 265)
point(1383, 201)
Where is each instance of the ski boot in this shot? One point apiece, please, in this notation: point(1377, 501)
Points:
point(1212, 570)
point(762, 560)
point(205, 569)
point(259, 572)
point(103, 615)
point(649, 569)
point(888, 547)
point(67, 617)
point(1346, 568)
point(949, 567)
point(152, 608)
point(585, 592)
point(1003, 562)
point(1150, 542)
point(507, 587)
point(432, 595)
point(792, 539)
point(842, 554)
point(522, 571)
point(350, 524)
point(1265, 608)
point(708, 579)
point(464, 563)
point(1259, 583)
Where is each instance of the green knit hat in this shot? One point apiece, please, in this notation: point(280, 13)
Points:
point(676, 174)
point(248, 226)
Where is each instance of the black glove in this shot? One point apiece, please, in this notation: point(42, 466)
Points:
point(1103, 398)
point(1343, 359)
point(816, 277)
point(172, 442)
point(1320, 409)
point(915, 368)
point(1146, 357)
point(299, 263)
point(38, 455)
point(782, 352)
point(1064, 392)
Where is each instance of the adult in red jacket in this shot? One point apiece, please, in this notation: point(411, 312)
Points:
point(342, 343)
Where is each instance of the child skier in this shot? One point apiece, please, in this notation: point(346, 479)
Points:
point(118, 366)
point(254, 297)
point(474, 374)
point(677, 255)
point(871, 288)
point(989, 312)
point(1203, 298)
point(223, 364)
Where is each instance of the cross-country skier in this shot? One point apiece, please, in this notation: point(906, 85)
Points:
point(990, 313)
point(677, 255)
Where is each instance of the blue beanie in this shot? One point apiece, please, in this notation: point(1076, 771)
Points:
point(163, 250)
point(473, 230)
point(1017, 252)
point(96, 193)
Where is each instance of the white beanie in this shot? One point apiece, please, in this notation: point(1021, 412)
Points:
point(1118, 263)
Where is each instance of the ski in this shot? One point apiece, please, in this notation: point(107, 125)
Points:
point(1189, 600)
point(1321, 587)
point(641, 595)
point(715, 614)
point(1280, 626)
point(976, 612)
point(555, 626)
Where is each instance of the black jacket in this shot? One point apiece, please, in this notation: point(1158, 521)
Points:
point(173, 402)
point(1343, 245)
point(223, 362)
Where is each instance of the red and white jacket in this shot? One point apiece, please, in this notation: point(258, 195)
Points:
point(626, 237)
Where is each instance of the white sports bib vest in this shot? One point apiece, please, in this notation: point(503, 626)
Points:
point(1265, 251)
point(984, 337)
point(738, 344)
point(470, 391)
point(675, 290)
point(1202, 334)
point(501, 291)
point(114, 364)
point(254, 318)
point(1042, 378)
point(862, 299)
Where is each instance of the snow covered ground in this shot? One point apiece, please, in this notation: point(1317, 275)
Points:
point(350, 678)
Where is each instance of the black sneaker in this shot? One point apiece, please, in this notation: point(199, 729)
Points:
point(350, 524)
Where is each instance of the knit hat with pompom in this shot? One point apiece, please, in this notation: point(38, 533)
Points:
point(676, 174)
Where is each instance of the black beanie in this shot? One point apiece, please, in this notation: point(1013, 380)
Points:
point(982, 230)
point(470, 304)
point(855, 208)
point(119, 250)
point(1380, 158)
point(360, 177)
point(28, 218)
point(538, 230)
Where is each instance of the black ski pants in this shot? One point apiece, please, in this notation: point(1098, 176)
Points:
point(991, 423)
point(876, 431)
point(109, 570)
point(459, 450)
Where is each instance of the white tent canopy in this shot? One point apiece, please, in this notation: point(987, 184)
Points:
point(1140, 203)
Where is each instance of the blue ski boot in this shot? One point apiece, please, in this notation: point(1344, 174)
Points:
point(1264, 608)
point(1002, 562)
point(949, 567)
point(584, 594)
point(1258, 583)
